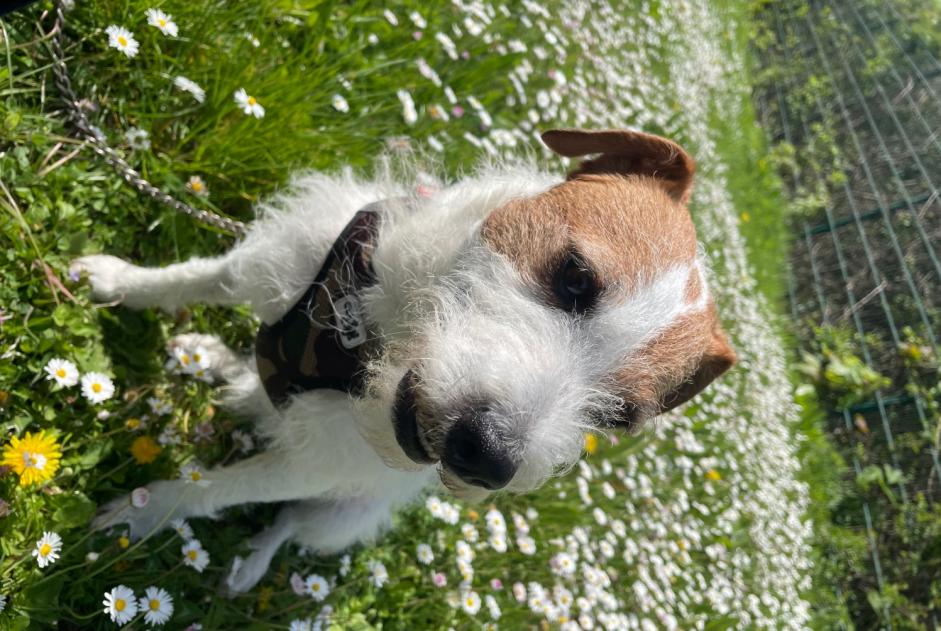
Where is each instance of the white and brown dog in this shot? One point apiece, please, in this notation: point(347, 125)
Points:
point(472, 336)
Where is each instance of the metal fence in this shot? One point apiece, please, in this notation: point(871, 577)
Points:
point(853, 91)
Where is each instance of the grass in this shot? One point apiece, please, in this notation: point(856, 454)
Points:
point(706, 495)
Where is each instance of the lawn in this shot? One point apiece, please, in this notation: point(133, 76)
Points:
point(700, 521)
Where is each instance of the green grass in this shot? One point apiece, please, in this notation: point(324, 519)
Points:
point(59, 202)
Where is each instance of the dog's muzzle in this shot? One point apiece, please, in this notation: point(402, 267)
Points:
point(474, 451)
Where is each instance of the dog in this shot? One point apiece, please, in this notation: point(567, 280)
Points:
point(483, 329)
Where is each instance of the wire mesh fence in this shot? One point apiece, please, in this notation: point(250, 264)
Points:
point(852, 95)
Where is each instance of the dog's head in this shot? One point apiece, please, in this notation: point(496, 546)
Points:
point(579, 307)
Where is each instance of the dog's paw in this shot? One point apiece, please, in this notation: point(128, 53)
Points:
point(163, 505)
point(108, 276)
point(244, 574)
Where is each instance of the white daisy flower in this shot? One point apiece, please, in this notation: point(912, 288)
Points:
point(563, 564)
point(162, 21)
point(249, 104)
point(244, 440)
point(182, 528)
point(196, 186)
point(62, 371)
point(194, 556)
point(425, 555)
point(493, 607)
point(47, 549)
point(390, 17)
point(409, 113)
point(159, 407)
point(121, 604)
point(97, 387)
point(188, 85)
point(192, 473)
point(380, 576)
point(417, 19)
point(122, 39)
point(526, 545)
point(345, 563)
point(157, 606)
point(168, 436)
point(317, 587)
point(3, 602)
point(498, 542)
point(470, 603)
point(300, 625)
point(340, 104)
point(137, 138)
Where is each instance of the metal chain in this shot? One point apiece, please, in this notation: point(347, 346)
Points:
point(112, 157)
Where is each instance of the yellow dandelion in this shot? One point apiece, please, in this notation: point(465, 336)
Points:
point(713, 475)
point(591, 443)
point(123, 542)
point(132, 423)
point(35, 458)
point(145, 449)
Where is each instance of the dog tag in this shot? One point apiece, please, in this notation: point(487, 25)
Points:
point(350, 324)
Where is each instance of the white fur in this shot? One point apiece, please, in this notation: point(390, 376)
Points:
point(445, 303)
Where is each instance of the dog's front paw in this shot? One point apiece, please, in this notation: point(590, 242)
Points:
point(163, 504)
point(108, 275)
point(244, 574)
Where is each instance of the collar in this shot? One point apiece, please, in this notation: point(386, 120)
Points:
point(322, 341)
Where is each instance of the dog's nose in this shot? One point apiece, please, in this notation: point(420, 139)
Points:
point(475, 452)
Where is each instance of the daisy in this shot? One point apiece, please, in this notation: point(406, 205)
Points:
point(492, 607)
point(340, 104)
point(162, 21)
point(169, 436)
point(409, 114)
point(192, 473)
point(425, 555)
point(196, 186)
point(35, 458)
point(470, 603)
point(97, 387)
point(380, 576)
point(194, 556)
point(182, 528)
point(439, 579)
point(47, 549)
point(527, 545)
point(298, 586)
point(244, 440)
point(188, 85)
point(159, 407)
point(345, 563)
point(300, 625)
point(317, 587)
point(249, 104)
point(121, 604)
point(62, 371)
point(3, 602)
point(122, 39)
point(137, 138)
point(157, 605)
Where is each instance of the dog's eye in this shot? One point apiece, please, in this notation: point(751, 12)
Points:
point(575, 285)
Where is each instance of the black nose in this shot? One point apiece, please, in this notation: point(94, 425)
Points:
point(477, 454)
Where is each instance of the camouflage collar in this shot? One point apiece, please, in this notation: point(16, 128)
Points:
point(321, 342)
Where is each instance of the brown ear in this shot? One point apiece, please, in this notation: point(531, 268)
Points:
point(718, 358)
point(627, 152)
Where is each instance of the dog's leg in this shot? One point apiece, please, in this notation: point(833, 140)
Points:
point(170, 287)
point(271, 476)
point(326, 526)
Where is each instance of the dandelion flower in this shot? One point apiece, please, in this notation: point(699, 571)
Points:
point(157, 606)
point(122, 39)
point(62, 371)
point(97, 387)
point(425, 555)
point(317, 587)
point(162, 21)
point(188, 85)
point(196, 186)
point(182, 528)
point(192, 473)
point(145, 450)
point(194, 556)
point(591, 444)
point(470, 603)
point(121, 604)
point(35, 458)
point(47, 549)
point(249, 104)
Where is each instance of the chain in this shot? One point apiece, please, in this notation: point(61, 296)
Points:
point(109, 155)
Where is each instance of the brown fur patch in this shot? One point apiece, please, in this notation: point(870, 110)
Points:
point(627, 229)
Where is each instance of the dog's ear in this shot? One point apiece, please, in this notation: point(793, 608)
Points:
point(718, 358)
point(627, 152)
